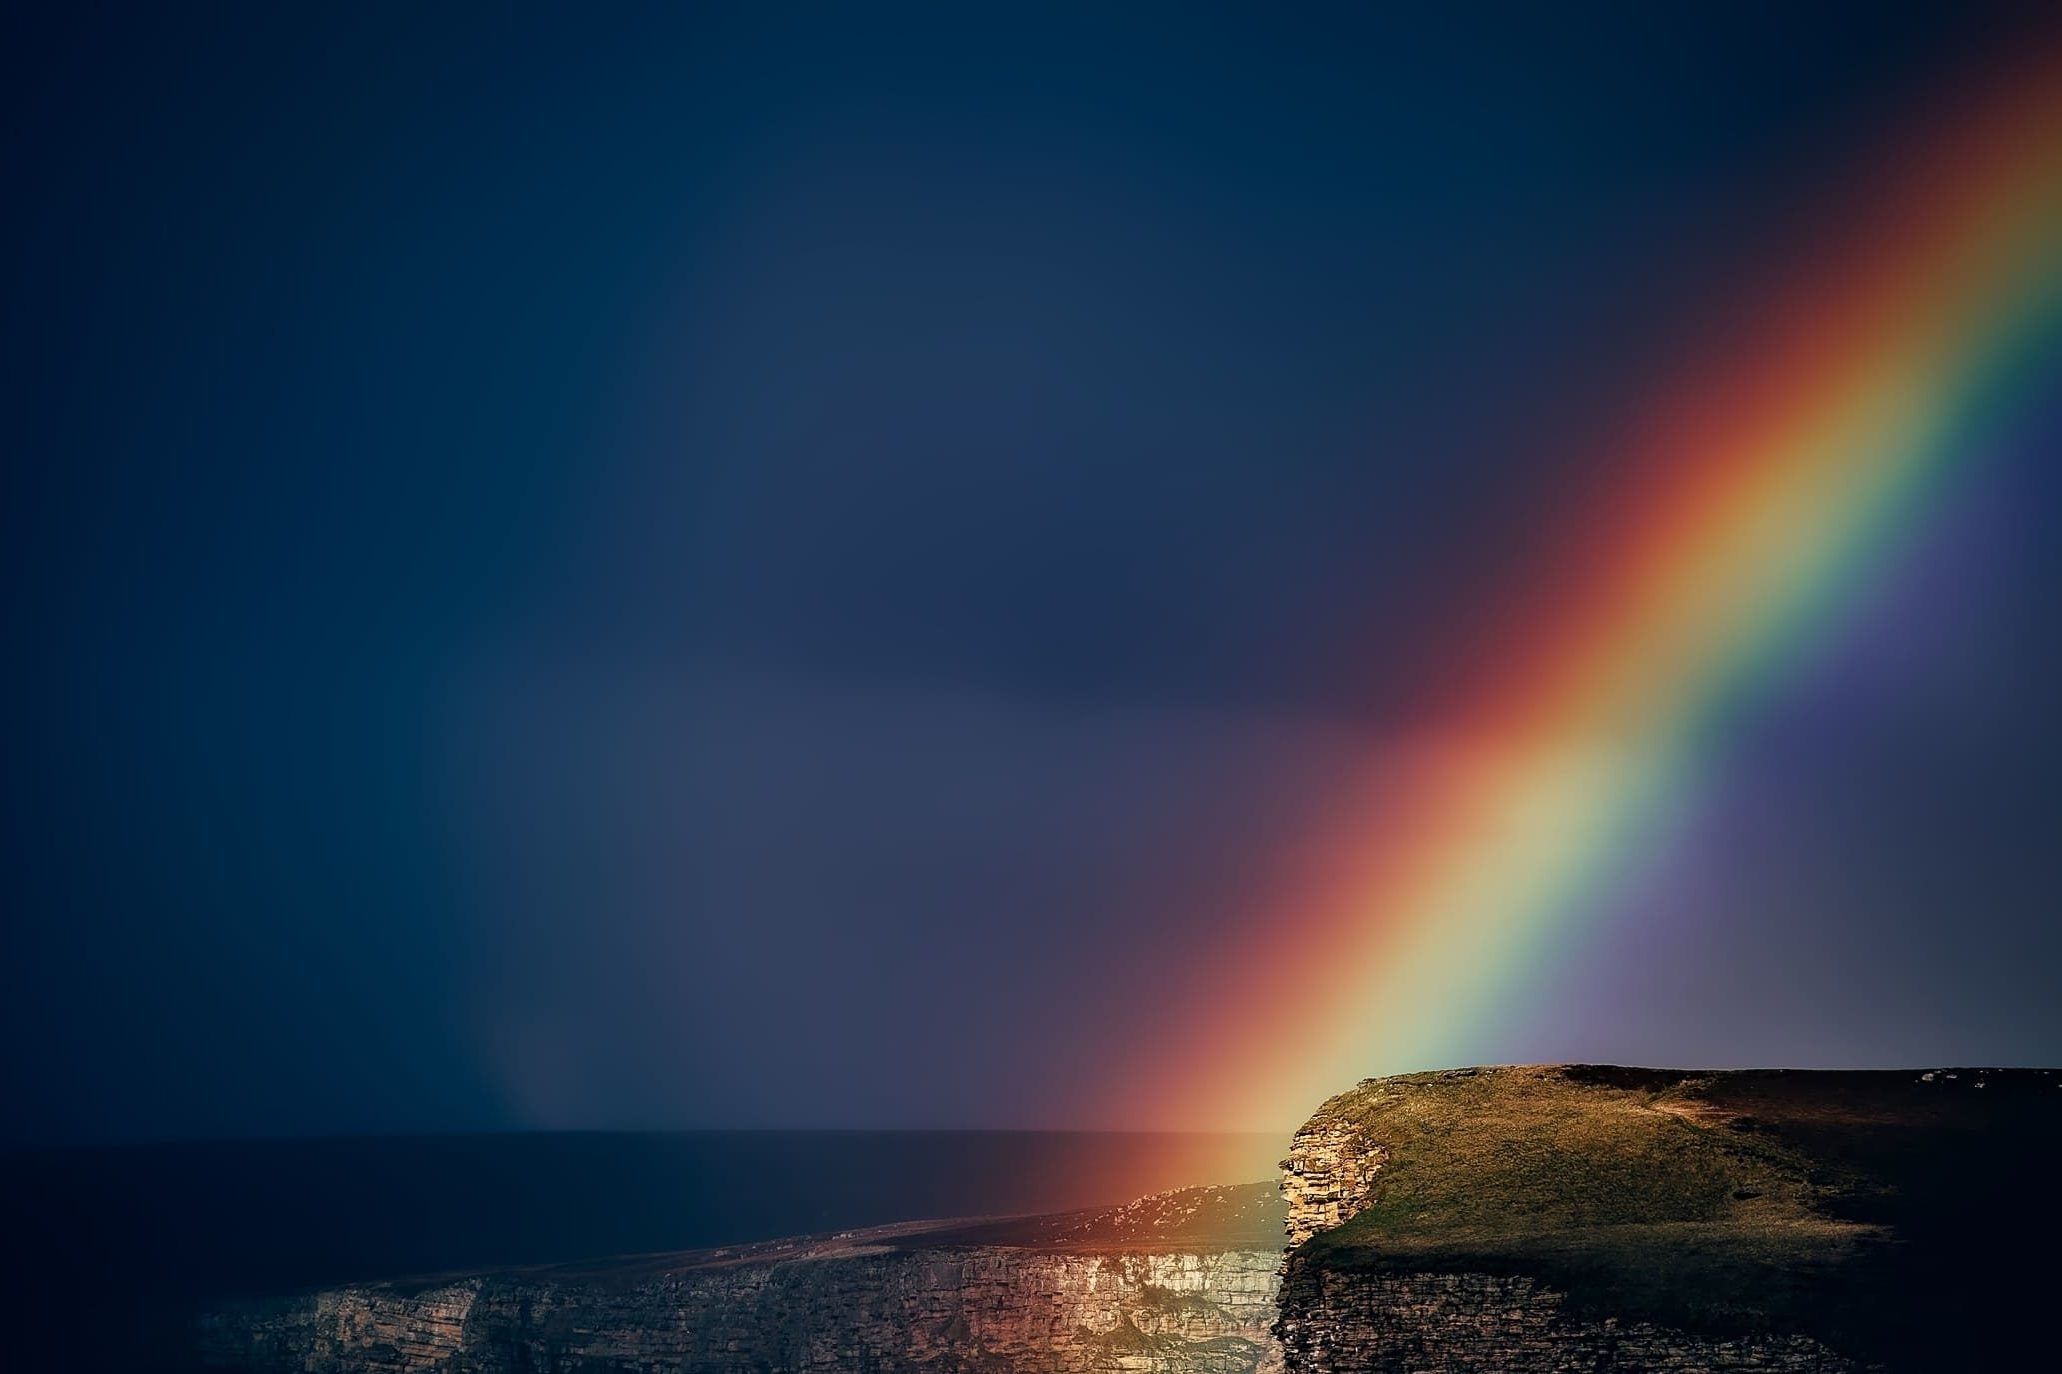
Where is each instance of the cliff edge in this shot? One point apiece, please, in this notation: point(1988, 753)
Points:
point(1588, 1217)
point(1177, 1283)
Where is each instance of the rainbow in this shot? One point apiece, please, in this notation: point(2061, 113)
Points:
point(1745, 512)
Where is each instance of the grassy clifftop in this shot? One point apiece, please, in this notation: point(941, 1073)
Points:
point(1885, 1213)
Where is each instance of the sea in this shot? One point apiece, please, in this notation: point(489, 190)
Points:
point(175, 1223)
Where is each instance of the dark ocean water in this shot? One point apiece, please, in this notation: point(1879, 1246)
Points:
point(171, 1223)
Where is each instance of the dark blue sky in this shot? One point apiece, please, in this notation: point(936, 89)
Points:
point(772, 568)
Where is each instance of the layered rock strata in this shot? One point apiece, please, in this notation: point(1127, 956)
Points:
point(937, 1300)
point(1328, 1176)
point(1345, 1322)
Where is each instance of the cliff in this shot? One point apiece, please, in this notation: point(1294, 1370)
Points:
point(1577, 1218)
point(1534, 1220)
point(1178, 1284)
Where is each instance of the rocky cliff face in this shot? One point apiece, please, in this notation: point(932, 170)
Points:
point(1533, 1220)
point(1345, 1322)
point(1328, 1175)
point(1538, 1220)
point(1069, 1297)
point(1340, 1319)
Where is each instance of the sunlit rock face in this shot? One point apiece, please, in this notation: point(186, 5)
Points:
point(1328, 1175)
point(984, 1308)
point(1094, 1295)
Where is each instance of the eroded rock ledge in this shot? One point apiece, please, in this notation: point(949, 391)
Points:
point(1180, 1284)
